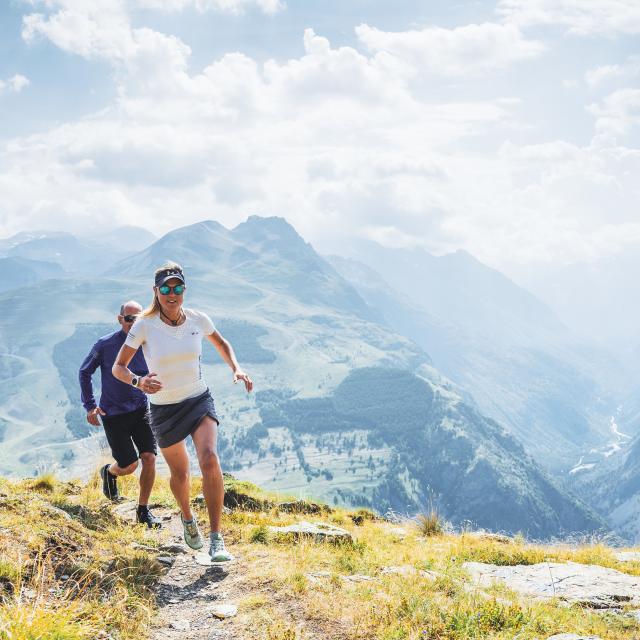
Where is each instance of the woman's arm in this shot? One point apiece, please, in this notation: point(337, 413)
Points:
point(227, 354)
point(121, 371)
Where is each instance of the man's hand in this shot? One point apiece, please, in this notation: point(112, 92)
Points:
point(240, 375)
point(149, 385)
point(92, 416)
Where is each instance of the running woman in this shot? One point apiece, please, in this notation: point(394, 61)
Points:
point(180, 403)
point(123, 411)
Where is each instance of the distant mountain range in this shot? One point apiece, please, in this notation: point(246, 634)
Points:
point(351, 406)
point(70, 254)
point(496, 341)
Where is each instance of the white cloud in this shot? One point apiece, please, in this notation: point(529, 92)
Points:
point(97, 29)
point(269, 7)
point(460, 51)
point(596, 76)
point(14, 84)
point(617, 114)
point(605, 74)
point(579, 17)
point(339, 141)
point(101, 29)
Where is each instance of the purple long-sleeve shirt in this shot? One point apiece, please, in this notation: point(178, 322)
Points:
point(117, 397)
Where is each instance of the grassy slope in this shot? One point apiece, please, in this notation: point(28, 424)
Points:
point(82, 577)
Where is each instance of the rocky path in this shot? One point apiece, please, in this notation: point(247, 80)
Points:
point(196, 600)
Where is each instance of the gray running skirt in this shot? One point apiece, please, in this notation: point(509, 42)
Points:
point(172, 423)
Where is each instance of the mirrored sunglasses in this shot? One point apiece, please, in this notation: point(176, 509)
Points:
point(165, 289)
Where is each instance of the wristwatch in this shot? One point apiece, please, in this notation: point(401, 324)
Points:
point(135, 381)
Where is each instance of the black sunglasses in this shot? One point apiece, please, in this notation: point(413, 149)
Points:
point(129, 318)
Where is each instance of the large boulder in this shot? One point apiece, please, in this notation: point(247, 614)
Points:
point(586, 584)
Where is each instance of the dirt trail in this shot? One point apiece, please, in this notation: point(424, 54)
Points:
point(189, 591)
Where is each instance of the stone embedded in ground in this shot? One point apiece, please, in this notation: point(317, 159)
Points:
point(403, 570)
point(627, 556)
point(357, 577)
point(319, 532)
point(166, 560)
point(314, 575)
point(173, 548)
point(589, 585)
point(144, 547)
point(409, 570)
point(181, 625)
point(223, 611)
point(57, 511)
point(126, 510)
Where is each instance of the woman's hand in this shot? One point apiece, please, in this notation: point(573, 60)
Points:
point(149, 384)
point(240, 375)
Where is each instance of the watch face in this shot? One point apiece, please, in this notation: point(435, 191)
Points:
point(134, 381)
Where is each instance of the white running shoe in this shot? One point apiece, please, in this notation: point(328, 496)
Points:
point(217, 550)
point(191, 533)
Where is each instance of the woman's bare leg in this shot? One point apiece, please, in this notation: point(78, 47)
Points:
point(178, 460)
point(205, 440)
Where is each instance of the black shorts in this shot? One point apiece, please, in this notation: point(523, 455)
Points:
point(126, 430)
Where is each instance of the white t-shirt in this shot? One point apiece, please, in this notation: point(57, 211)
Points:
point(173, 353)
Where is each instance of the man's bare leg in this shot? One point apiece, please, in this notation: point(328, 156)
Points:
point(116, 470)
point(147, 476)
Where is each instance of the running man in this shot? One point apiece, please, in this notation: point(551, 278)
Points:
point(123, 410)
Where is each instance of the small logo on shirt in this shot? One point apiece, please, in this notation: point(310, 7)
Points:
point(195, 333)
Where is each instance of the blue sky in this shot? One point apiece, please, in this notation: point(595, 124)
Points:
point(507, 128)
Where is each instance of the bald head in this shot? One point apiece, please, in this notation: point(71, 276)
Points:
point(131, 307)
point(128, 309)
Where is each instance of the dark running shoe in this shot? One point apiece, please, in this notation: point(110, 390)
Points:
point(109, 484)
point(144, 516)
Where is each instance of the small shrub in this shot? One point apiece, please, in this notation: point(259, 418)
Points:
point(10, 576)
point(359, 517)
point(430, 523)
point(259, 534)
point(299, 583)
point(279, 631)
point(254, 601)
point(46, 482)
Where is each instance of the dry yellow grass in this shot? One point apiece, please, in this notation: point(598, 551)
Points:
point(71, 579)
